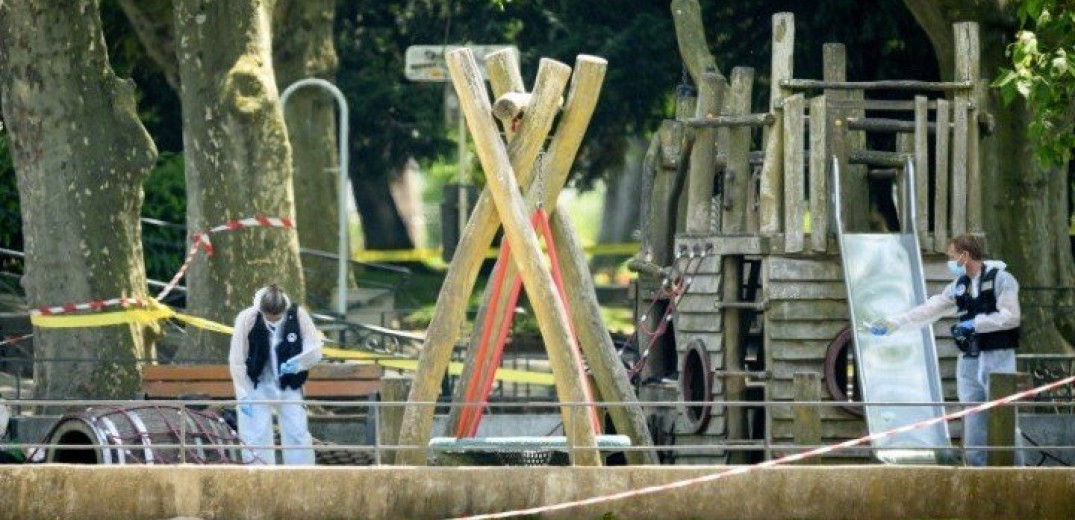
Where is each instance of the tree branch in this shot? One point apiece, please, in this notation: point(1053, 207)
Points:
point(152, 21)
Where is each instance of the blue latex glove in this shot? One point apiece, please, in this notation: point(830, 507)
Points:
point(246, 408)
point(881, 327)
point(967, 325)
point(290, 366)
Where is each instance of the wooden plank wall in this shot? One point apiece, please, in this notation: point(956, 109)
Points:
point(697, 318)
point(807, 310)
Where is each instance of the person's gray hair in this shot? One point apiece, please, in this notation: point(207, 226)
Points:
point(271, 300)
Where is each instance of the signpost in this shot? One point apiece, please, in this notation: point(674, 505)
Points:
point(425, 63)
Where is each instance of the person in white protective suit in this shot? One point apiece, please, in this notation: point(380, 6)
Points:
point(986, 299)
point(273, 346)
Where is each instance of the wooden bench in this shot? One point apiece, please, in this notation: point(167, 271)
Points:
point(326, 381)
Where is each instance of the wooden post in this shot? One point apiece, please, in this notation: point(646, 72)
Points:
point(904, 148)
point(609, 375)
point(940, 179)
point(393, 390)
point(807, 418)
point(921, 171)
point(794, 137)
point(551, 313)
point(735, 144)
point(819, 176)
point(443, 330)
point(703, 163)
point(853, 188)
point(772, 177)
point(968, 61)
point(504, 78)
point(597, 346)
point(1003, 420)
point(960, 156)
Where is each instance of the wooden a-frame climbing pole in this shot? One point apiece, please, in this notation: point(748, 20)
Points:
point(509, 197)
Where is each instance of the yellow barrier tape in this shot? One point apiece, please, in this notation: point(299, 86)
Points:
point(506, 375)
point(426, 254)
point(157, 311)
point(102, 319)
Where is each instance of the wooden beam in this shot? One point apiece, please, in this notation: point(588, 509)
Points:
point(819, 176)
point(921, 171)
point(1002, 422)
point(771, 192)
point(704, 154)
point(609, 375)
point(450, 313)
point(968, 63)
point(794, 172)
point(878, 158)
point(733, 121)
point(960, 158)
point(505, 79)
point(735, 144)
point(940, 179)
point(807, 418)
point(943, 86)
point(389, 418)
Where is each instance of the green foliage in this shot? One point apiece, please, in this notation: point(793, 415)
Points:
point(10, 217)
point(1043, 74)
point(166, 200)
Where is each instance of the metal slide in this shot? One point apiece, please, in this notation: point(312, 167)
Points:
point(883, 274)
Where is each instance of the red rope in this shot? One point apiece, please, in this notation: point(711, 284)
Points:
point(587, 392)
point(471, 394)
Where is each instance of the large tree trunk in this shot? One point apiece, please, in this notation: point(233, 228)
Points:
point(1025, 206)
point(382, 225)
point(81, 155)
point(303, 48)
point(238, 161)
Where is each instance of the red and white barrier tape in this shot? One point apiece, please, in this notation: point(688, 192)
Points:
point(95, 305)
point(15, 339)
point(783, 460)
point(200, 241)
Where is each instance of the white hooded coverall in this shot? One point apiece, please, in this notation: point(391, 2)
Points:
point(972, 374)
point(255, 429)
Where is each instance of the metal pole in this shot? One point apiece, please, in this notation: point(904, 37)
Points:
point(341, 186)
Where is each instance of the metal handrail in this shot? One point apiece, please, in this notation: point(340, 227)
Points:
point(378, 447)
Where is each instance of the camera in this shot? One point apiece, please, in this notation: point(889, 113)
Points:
point(966, 340)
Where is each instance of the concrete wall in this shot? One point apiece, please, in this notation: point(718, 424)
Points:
point(800, 492)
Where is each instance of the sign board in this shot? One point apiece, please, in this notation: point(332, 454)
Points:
point(426, 62)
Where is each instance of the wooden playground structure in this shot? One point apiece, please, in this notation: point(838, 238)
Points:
point(740, 295)
point(738, 253)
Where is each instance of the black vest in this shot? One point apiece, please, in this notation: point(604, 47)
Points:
point(985, 303)
point(290, 346)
